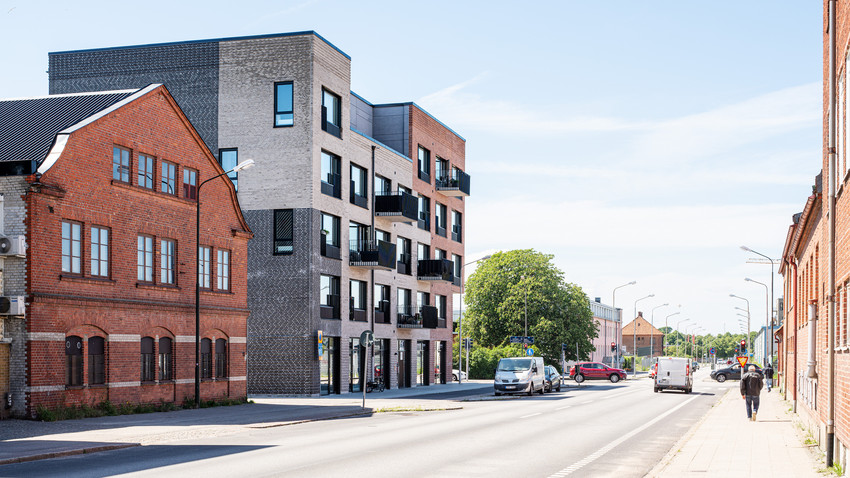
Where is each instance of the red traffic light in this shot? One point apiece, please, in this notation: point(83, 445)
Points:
point(743, 343)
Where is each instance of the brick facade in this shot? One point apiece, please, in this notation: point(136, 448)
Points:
point(79, 188)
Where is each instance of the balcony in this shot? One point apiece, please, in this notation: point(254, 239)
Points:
point(457, 233)
point(330, 309)
point(398, 206)
point(454, 183)
point(331, 187)
point(407, 318)
point(429, 316)
point(403, 264)
point(382, 312)
point(424, 221)
point(357, 199)
point(370, 255)
point(435, 269)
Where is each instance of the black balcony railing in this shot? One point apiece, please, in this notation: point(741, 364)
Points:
point(380, 255)
point(429, 316)
point(440, 229)
point(435, 269)
point(425, 176)
point(403, 264)
point(330, 309)
point(408, 318)
point(457, 233)
point(398, 206)
point(358, 199)
point(382, 312)
point(331, 185)
point(453, 183)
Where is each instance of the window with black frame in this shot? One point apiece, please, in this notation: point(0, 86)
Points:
point(97, 361)
point(329, 246)
point(283, 99)
point(220, 358)
point(229, 158)
point(206, 358)
point(165, 359)
point(73, 361)
point(283, 232)
point(359, 186)
point(331, 113)
point(440, 219)
point(148, 360)
point(383, 186)
point(424, 164)
point(331, 175)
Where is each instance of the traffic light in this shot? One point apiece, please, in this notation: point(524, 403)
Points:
point(613, 347)
point(743, 345)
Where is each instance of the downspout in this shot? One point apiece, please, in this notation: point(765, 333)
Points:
point(372, 279)
point(812, 362)
point(830, 422)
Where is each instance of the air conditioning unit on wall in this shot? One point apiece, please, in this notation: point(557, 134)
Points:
point(12, 305)
point(13, 246)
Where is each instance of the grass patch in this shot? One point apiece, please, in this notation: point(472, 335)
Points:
point(107, 408)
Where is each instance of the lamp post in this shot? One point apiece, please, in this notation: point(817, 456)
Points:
point(614, 320)
point(770, 313)
point(664, 348)
point(651, 334)
point(679, 333)
point(239, 167)
point(460, 319)
point(748, 318)
point(634, 337)
point(767, 327)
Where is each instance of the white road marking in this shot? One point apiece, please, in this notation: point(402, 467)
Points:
point(585, 403)
point(602, 451)
point(562, 408)
point(532, 415)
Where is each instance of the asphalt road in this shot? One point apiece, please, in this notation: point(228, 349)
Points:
point(601, 429)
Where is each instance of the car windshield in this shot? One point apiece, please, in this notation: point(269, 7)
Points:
point(514, 365)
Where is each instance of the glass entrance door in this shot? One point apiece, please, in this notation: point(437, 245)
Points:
point(354, 364)
point(328, 367)
point(403, 380)
point(421, 363)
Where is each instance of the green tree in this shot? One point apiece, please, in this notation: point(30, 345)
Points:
point(507, 284)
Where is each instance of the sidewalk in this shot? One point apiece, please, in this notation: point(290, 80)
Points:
point(27, 440)
point(725, 443)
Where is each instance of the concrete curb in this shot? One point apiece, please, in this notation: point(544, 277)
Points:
point(59, 454)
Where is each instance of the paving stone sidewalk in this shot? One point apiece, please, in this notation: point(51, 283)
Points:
point(725, 443)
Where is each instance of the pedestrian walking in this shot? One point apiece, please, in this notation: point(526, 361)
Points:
point(768, 376)
point(751, 384)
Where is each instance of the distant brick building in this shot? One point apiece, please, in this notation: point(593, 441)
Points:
point(637, 335)
point(100, 196)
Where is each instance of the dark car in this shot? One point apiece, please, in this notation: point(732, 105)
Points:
point(596, 371)
point(731, 373)
point(552, 380)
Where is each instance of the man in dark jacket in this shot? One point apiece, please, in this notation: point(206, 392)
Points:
point(751, 384)
point(768, 376)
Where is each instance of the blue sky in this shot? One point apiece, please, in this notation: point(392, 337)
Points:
point(638, 141)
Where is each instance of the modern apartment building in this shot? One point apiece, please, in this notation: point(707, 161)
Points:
point(98, 264)
point(357, 208)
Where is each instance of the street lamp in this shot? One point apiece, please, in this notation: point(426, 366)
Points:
point(460, 320)
point(679, 333)
point(664, 348)
point(634, 337)
point(767, 327)
point(748, 318)
point(771, 294)
point(651, 334)
point(614, 320)
point(239, 167)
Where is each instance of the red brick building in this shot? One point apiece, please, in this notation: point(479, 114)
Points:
point(110, 263)
point(640, 335)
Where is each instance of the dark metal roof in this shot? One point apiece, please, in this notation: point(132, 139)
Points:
point(28, 126)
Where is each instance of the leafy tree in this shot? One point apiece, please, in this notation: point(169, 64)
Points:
point(507, 284)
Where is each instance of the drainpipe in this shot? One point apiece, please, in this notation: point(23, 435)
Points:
point(812, 362)
point(830, 423)
point(372, 281)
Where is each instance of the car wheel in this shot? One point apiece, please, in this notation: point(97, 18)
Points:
point(498, 394)
point(543, 390)
point(655, 389)
point(721, 378)
point(579, 378)
point(559, 387)
point(530, 389)
point(614, 378)
point(454, 377)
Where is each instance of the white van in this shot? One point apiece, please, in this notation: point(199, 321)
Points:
point(674, 373)
point(520, 375)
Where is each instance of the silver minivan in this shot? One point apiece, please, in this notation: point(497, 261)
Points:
point(520, 375)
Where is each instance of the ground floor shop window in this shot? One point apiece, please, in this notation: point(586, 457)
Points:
point(440, 362)
point(329, 367)
point(354, 364)
point(381, 361)
point(421, 363)
point(403, 363)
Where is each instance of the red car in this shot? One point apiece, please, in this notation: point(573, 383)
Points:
point(596, 371)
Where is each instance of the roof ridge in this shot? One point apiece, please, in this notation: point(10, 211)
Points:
point(68, 95)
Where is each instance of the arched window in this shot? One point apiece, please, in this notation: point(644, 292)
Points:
point(165, 364)
point(206, 358)
point(97, 369)
point(220, 358)
point(148, 360)
point(73, 361)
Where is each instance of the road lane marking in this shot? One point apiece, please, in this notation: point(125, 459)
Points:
point(602, 451)
point(562, 408)
point(529, 416)
point(585, 403)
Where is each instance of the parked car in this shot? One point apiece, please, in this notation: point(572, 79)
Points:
point(596, 371)
point(695, 366)
point(553, 379)
point(674, 373)
point(730, 373)
point(456, 373)
point(520, 375)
